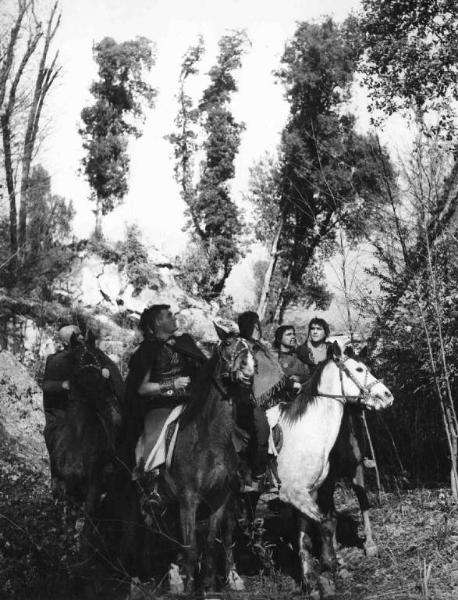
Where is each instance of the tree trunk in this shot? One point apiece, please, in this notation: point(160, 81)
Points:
point(282, 303)
point(6, 136)
point(98, 220)
point(264, 297)
point(45, 78)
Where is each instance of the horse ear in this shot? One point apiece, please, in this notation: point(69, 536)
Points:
point(363, 354)
point(336, 350)
point(221, 333)
point(90, 338)
point(74, 342)
point(349, 351)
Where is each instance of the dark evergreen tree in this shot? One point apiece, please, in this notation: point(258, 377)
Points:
point(330, 177)
point(214, 222)
point(120, 95)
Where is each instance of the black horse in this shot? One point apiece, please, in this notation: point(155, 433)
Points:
point(204, 471)
point(82, 438)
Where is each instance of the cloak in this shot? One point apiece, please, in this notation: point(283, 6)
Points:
point(145, 358)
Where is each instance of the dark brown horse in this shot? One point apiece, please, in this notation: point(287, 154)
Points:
point(203, 474)
point(82, 439)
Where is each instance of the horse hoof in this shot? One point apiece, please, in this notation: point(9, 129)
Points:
point(327, 587)
point(235, 581)
point(370, 549)
point(308, 587)
point(135, 591)
point(176, 583)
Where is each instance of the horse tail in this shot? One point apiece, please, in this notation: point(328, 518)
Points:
point(303, 501)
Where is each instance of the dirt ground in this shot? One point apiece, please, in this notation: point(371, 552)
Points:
point(416, 532)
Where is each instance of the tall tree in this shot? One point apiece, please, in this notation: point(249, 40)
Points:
point(23, 35)
point(47, 72)
point(120, 96)
point(328, 175)
point(215, 222)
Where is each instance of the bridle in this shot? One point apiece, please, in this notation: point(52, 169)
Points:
point(95, 364)
point(229, 374)
point(365, 389)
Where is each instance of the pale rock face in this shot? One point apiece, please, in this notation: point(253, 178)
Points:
point(104, 292)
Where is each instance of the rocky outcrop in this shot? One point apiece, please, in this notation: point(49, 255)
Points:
point(97, 291)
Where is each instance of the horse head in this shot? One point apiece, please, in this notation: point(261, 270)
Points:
point(238, 364)
point(89, 379)
point(357, 382)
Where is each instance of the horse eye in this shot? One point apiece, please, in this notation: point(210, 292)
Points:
point(360, 369)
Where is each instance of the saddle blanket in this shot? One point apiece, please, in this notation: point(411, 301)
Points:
point(162, 450)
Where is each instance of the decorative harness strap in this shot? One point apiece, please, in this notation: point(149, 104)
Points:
point(365, 388)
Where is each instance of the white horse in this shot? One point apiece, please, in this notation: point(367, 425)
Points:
point(310, 425)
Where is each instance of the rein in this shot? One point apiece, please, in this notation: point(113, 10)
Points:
point(365, 388)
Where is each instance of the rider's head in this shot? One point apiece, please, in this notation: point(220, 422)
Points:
point(285, 338)
point(158, 320)
point(65, 334)
point(318, 330)
point(250, 325)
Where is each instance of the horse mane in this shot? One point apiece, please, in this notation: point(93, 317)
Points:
point(202, 392)
point(294, 410)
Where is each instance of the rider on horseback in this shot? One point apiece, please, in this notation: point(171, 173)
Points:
point(298, 373)
point(314, 350)
point(160, 371)
point(268, 382)
point(56, 386)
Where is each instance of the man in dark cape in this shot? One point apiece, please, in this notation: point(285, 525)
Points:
point(160, 371)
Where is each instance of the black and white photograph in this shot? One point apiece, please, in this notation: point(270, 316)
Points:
point(228, 299)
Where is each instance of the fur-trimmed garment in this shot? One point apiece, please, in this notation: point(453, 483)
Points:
point(269, 380)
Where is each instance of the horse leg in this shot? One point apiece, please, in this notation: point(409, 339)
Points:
point(214, 532)
point(370, 547)
point(305, 527)
point(327, 529)
point(251, 502)
point(234, 580)
point(90, 506)
point(188, 510)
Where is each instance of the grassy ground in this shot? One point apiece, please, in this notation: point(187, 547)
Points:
point(417, 535)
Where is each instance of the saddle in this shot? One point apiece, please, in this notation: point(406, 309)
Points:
point(154, 450)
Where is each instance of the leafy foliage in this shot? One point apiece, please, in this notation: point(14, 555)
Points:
point(214, 222)
point(410, 54)
point(134, 258)
point(120, 95)
point(414, 332)
point(47, 253)
point(327, 174)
